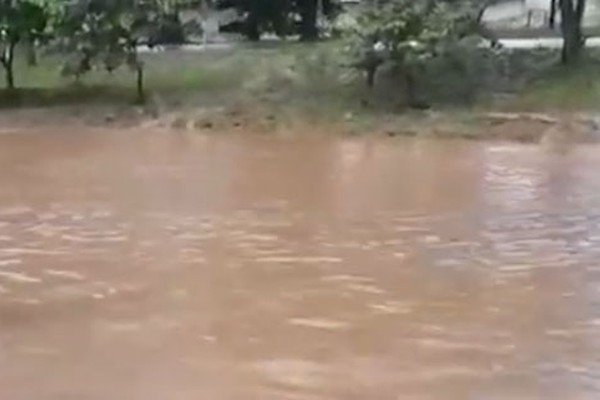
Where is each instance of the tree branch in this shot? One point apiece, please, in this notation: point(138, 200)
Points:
point(483, 9)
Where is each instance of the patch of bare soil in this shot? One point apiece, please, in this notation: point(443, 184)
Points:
point(59, 119)
point(539, 128)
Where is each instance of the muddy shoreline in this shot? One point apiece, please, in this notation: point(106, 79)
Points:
point(473, 125)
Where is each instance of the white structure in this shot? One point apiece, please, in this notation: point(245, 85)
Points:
point(533, 13)
point(210, 21)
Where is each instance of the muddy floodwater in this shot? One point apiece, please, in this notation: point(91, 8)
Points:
point(139, 266)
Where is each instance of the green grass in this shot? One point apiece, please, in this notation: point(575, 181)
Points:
point(283, 78)
point(561, 89)
point(289, 87)
point(299, 75)
point(173, 73)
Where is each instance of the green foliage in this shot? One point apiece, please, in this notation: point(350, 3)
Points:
point(412, 32)
point(20, 20)
point(411, 35)
point(106, 33)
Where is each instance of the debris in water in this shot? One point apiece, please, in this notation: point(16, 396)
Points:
point(318, 323)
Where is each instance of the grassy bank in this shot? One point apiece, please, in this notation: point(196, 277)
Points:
point(277, 87)
point(563, 90)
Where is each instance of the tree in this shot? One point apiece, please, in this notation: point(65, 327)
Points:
point(552, 17)
point(106, 33)
point(20, 20)
point(409, 34)
point(571, 13)
point(262, 16)
point(308, 11)
point(283, 17)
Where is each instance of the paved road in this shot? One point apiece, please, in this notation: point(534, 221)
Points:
point(192, 48)
point(550, 43)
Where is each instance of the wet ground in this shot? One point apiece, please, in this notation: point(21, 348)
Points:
point(180, 267)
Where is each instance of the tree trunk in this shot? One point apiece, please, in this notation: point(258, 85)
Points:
point(371, 73)
point(252, 29)
point(580, 10)
point(413, 96)
point(571, 18)
point(32, 60)
point(7, 62)
point(411, 89)
point(308, 25)
point(320, 13)
point(141, 94)
point(10, 77)
point(278, 15)
point(552, 17)
point(482, 29)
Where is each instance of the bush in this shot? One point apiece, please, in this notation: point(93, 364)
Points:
point(427, 46)
point(170, 31)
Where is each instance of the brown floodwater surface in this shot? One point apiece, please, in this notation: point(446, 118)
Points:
point(180, 267)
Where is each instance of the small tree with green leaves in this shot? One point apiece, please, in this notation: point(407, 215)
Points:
point(106, 34)
point(409, 34)
point(20, 21)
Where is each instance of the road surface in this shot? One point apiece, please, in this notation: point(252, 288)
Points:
point(512, 43)
point(550, 43)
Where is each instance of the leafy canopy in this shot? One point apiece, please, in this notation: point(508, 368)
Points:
point(410, 32)
point(106, 32)
point(20, 20)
